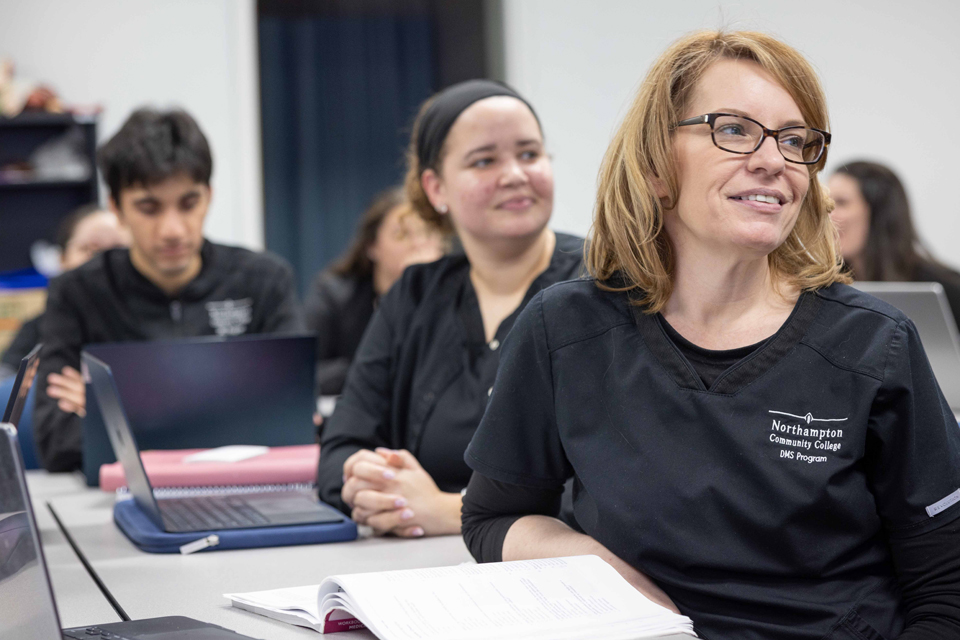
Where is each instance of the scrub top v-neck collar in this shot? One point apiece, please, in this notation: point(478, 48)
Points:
point(468, 305)
point(739, 374)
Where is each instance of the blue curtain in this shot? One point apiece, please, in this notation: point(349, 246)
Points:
point(338, 95)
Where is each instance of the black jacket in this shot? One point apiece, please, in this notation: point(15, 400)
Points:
point(337, 308)
point(416, 349)
point(107, 300)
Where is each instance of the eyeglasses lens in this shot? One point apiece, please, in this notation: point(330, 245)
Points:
point(739, 135)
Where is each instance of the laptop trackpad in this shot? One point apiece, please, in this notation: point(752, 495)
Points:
point(292, 509)
point(166, 628)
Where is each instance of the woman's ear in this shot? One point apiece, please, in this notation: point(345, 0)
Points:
point(659, 187)
point(433, 186)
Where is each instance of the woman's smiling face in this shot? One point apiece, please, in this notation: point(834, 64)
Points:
point(495, 178)
point(717, 208)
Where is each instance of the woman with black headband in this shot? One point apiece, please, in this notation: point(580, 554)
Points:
point(392, 453)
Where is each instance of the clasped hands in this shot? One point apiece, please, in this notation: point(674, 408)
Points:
point(390, 492)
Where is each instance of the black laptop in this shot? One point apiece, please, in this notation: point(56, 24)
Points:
point(195, 513)
point(200, 393)
point(21, 386)
point(29, 610)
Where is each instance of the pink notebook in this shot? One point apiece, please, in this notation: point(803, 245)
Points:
point(281, 465)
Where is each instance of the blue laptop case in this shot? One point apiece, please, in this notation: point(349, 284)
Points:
point(147, 536)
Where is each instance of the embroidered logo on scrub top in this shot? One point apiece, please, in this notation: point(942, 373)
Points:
point(804, 438)
point(230, 317)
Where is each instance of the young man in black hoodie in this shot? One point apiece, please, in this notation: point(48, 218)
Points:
point(170, 283)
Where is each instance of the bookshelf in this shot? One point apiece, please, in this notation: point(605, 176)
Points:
point(32, 203)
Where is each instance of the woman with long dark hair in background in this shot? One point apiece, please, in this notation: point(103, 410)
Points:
point(340, 303)
point(877, 237)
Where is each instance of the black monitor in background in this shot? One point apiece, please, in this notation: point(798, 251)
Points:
point(196, 393)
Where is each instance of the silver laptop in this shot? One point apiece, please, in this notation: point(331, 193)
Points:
point(926, 304)
point(195, 513)
point(28, 610)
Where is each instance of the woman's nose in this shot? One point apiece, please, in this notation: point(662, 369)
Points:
point(513, 174)
point(767, 157)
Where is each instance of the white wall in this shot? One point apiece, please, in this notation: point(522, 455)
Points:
point(891, 73)
point(197, 54)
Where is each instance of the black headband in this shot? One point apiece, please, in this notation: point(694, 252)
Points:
point(447, 106)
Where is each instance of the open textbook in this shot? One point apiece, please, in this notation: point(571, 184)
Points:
point(557, 598)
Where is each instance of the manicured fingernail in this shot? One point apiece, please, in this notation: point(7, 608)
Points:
point(400, 502)
point(344, 478)
point(417, 532)
point(389, 475)
point(406, 514)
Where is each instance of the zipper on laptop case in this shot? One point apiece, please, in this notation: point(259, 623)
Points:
point(200, 545)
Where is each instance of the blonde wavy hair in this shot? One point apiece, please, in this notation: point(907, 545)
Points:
point(628, 234)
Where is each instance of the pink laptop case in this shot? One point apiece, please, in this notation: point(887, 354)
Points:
point(281, 465)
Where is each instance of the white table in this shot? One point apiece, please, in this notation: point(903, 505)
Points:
point(79, 601)
point(150, 585)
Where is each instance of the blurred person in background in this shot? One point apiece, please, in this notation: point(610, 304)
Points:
point(80, 236)
point(341, 301)
point(877, 237)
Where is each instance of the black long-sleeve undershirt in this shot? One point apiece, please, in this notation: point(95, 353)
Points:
point(490, 508)
point(927, 565)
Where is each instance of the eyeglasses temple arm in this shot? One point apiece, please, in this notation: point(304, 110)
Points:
point(705, 119)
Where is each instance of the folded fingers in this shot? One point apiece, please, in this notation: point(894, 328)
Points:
point(388, 521)
point(376, 501)
point(359, 456)
point(355, 485)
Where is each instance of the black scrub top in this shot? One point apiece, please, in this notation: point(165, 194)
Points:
point(423, 374)
point(762, 504)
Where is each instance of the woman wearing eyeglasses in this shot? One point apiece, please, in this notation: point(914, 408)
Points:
point(752, 441)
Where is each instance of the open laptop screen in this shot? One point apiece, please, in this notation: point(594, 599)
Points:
point(21, 386)
point(926, 304)
point(121, 438)
point(28, 610)
point(202, 392)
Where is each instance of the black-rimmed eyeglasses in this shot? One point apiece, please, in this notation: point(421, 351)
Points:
point(743, 135)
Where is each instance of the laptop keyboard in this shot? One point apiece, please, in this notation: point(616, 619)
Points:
point(211, 512)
